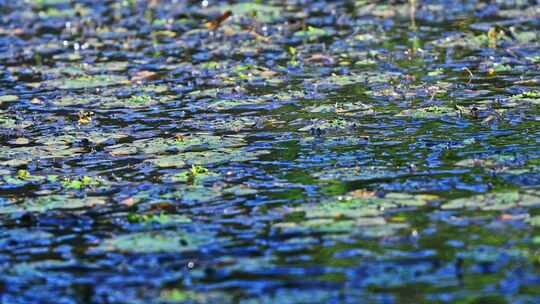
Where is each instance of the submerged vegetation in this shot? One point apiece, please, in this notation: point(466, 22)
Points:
point(160, 151)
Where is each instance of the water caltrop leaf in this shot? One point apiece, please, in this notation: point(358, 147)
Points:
point(205, 158)
point(358, 173)
point(261, 12)
point(496, 201)
point(52, 202)
point(351, 206)
point(8, 98)
point(534, 221)
point(194, 194)
point(87, 81)
point(312, 33)
point(180, 143)
point(356, 214)
point(156, 241)
point(162, 219)
point(428, 112)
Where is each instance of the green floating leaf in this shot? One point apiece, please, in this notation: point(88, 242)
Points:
point(352, 214)
point(40, 269)
point(291, 296)
point(233, 123)
point(261, 12)
point(330, 125)
point(169, 161)
point(365, 62)
point(356, 207)
point(499, 67)
point(492, 161)
point(345, 108)
point(534, 221)
point(156, 241)
point(161, 219)
point(140, 99)
point(228, 104)
point(87, 81)
point(177, 295)
point(358, 173)
point(312, 33)
point(7, 122)
point(527, 96)
point(49, 2)
point(52, 202)
point(23, 174)
point(496, 201)
point(468, 40)
point(206, 158)
point(189, 296)
point(53, 146)
point(8, 98)
point(240, 190)
point(436, 72)
point(200, 141)
point(196, 175)
point(491, 254)
point(194, 194)
point(428, 112)
point(54, 12)
point(85, 181)
point(141, 95)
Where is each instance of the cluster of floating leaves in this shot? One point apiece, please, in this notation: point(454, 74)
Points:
point(285, 152)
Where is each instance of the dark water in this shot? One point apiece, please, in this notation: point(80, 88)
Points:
point(301, 152)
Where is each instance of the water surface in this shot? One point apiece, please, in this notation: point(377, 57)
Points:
point(300, 152)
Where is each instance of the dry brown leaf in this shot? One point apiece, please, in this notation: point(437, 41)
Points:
point(162, 205)
point(144, 75)
point(321, 58)
point(363, 193)
point(36, 101)
point(214, 24)
point(14, 31)
point(130, 201)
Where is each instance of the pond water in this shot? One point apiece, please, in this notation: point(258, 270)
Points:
point(295, 152)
